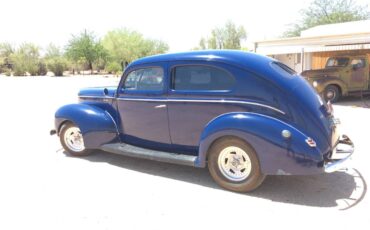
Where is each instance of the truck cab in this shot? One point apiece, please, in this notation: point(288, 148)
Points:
point(342, 76)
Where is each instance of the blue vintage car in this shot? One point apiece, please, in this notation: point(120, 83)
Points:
point(242, 115)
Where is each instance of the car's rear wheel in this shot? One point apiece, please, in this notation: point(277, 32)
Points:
point(331, 93)
point(234, 165)
point(72, 140)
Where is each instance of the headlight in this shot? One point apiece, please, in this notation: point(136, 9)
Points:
point(314, 83)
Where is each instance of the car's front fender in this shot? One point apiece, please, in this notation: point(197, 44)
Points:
point(97, 125)
point(277, 155)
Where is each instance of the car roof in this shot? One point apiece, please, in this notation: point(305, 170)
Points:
point(259, 65)
point(234, 57)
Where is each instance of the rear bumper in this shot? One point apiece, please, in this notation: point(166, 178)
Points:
point(340, 156)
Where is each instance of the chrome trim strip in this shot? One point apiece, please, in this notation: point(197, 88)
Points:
point(188, 100)
point(203, 101)
point(97, 97)
point(160, 106)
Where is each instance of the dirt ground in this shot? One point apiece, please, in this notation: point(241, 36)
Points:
point(42, 188)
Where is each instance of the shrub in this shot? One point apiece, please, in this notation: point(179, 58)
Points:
point(57, 65)
point(19, 66)
point(26, 60)
point(42, 70)
point(8, 72)
point(113, 67)
point(5, 70)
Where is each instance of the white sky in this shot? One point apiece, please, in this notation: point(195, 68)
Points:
point(179, 23)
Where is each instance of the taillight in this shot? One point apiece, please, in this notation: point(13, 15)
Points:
point(311, 142)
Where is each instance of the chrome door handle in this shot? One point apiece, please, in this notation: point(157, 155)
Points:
point(160, 106)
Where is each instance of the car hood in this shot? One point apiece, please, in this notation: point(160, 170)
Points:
point(320, 72)
point(98, 92)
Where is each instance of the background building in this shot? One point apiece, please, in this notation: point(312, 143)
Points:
point(315, 45)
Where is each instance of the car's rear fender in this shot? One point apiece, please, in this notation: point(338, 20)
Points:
point(97, 125)
point(277, 155)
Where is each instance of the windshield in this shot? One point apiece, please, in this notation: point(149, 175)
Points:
point(337, 62)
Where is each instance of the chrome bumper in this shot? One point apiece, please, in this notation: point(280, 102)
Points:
point(340, 156)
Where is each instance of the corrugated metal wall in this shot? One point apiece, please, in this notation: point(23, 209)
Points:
point(319, 58)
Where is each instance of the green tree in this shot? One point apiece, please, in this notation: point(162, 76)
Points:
point(6, 50)
point(26, 59)
point(202, 44)
point(321, 12)
point(124, 45)
point(102, 56)
point(85, 48)
point(55, 60)
point(53, 51)
point(228, 36)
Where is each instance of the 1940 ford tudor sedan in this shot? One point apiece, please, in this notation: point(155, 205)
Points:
point(242, 115)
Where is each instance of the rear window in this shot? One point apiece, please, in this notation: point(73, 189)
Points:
point(201, 78)
point(358, 62)
point(283, 69)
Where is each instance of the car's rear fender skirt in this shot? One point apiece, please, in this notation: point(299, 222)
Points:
point(97, 125)
point(277, 155)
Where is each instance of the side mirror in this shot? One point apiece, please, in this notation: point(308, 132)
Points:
point(105, 91)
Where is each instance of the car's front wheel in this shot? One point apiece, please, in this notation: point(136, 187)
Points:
point(234, 165)
point(72, 140)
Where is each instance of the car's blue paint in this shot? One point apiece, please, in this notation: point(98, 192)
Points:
point(263, 133)
point(263, 102)
point(98, 91)
point(249, 88)
point(96, 125)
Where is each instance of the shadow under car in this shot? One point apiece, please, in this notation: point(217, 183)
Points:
point(342, 189)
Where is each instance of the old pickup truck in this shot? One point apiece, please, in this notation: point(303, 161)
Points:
point(342, 76)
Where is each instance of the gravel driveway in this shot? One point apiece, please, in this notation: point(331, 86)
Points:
point(42, 188)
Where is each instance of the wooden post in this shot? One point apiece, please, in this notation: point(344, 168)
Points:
point(302, 60)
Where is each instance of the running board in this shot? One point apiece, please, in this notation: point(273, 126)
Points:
point(133, 151)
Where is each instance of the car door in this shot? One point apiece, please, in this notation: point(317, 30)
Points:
point(358, 74)
point(195, 97)
point(142, 107)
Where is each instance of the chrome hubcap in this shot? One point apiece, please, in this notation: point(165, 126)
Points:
point(330, 94)
point(234, 163)
point(74, 140)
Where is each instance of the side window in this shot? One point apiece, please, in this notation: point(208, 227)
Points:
point(144, 79)
point(359, 63)
point(201, 78)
